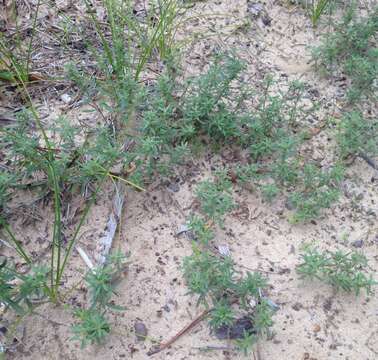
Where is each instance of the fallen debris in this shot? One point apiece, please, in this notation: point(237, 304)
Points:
point(237, 330)
point(140, 330)
point(165, 345)
point(106, 240)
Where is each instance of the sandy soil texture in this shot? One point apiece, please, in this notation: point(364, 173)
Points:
point(313, 321)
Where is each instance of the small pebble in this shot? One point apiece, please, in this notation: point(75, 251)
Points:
point(66, 98)
point(224, 250)
point(238, 330)
point(316, 328)
point(358, 243)
point(297, 306)
point(255, 9)
point(183, 228)
point(173, 187)
point(140, 331)
point(166, 308)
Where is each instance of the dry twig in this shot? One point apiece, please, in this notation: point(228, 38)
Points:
point(165, 345)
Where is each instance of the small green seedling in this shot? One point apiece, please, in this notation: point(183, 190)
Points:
point(245, 344)
point(269, 192)
point(92, 326)
point(316, 9)
point(216, 283)
point(21, 292)
point(215, 198)
point(357, 135)
point(346, 271)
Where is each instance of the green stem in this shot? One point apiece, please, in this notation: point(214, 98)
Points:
point(57, 233)
point(73, 240)
point(31, 38)
point(18, 245)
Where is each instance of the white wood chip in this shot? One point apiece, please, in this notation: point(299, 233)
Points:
point(105, 242)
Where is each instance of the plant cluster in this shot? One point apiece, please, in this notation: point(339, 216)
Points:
point(316, 9)
point(15, 54)
point(320, 189)
point(60, 164)
point(63, 159)
point(172, 117)
point(215, 197)
point(77, 163)
point(122, 49)
point(21, 291)
point(352, 46)
point(357, 135)
point(216, 107)
point(24, 292)
point(151, 129)
point(347, 271)
point(92, 326)
point(214, 281)
point(231, 298)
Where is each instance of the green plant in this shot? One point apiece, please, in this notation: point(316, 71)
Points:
point(215, 198)
point(270, 135)
point(125, 53)
point(207, 276)
point(100, 281)
point(267, 130)
point(128, 33)
point(320, 190)
point(269, 192)
point(214, 281)
point(19, 291)
point(15, 55)
point(351, 46)
point(309, 205)
point(99, 285)
point(263, 317)
point(246, 343)
point(92, 327)
point(63, 164)
point(206, 108)
point(286, 172)
point(201, 230)
point(343, 270)
point(30, 157)
point(70, 157)
point(161, 146)
point(172, 125)
point(247, 173)
point(316, 9)
point(222, 315)
point(357, 135)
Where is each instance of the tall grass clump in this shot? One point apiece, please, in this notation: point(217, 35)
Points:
point(124, 47)
point(63, 159)
point(15, 53)
point(316, 9)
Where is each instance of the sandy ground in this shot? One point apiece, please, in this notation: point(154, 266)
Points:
point(313, 321)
